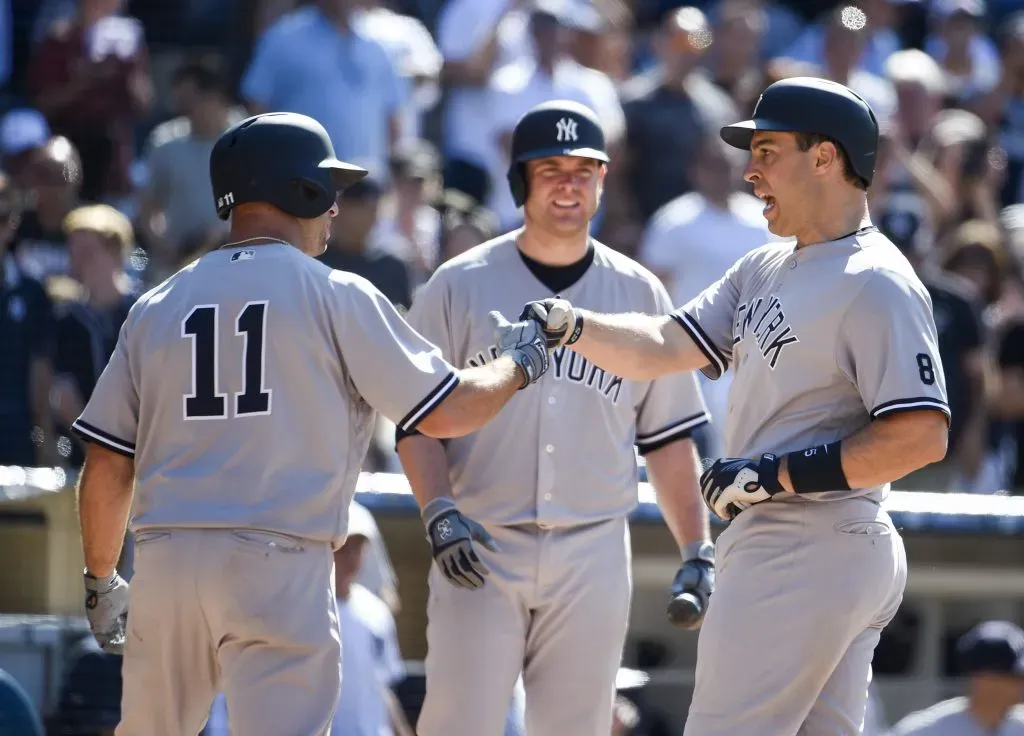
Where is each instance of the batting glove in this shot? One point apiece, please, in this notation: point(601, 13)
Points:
point(561, 321)
point(451, 538)
point(525, 343)
point(731, 485)
point(692, 587)
point(106, 607)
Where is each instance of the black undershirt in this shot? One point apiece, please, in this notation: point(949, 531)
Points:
point(559, 278)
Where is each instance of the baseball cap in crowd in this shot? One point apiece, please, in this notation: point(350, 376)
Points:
point(417, 159)
point(993, 646)
point(22, 129)
point(361, 522)
point(369, 187)
point(949, 8)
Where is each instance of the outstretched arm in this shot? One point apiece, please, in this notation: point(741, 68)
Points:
point(639, 347)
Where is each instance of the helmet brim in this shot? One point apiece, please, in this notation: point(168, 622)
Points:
point(343, 174)
point(739, 135)
point(563, 151)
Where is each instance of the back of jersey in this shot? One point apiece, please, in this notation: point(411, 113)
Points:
point(246, 405)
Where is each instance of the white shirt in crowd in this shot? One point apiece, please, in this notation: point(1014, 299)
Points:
point(691, 243)
point(521, 85)
point(462, 28)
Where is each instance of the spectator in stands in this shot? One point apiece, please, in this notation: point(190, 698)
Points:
point(408, 227)
point(316, 61)
point(90, 77)
point(1005, 108)
point(349, 246)
point(89, 319)
point(602, 37)
point(811, 46)
point(968, 57)
point(475, 37)
point(992, 656)
point(22, 132)
point(372, 663)
point(548, 73)
point(668, 110)
point(965, 361)
point(414, 55)
point(693, 240)
point(465, 224)
point(846, 34)
point(177, 212)
point(734, 62)
point(54, 176)
point(17, 713)
point(27, 434)
point(972, 165)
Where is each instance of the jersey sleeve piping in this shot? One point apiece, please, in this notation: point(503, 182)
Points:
point(682, 429)
point(89, 433)
point(718, 364)
point(429, 402)
point(910, 404)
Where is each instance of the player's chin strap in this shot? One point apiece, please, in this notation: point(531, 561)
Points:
point(814, 470)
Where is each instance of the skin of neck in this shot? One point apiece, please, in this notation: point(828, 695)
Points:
point(552, 249)
point(209, 121)
point(107, 288)
point(987, 709)
point(261, 223)
point(840, 210)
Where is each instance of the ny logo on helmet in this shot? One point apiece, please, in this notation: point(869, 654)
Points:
point(566, 129)
point(227, 199)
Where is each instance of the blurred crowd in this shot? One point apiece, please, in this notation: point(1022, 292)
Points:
point(110, 108)
point(105, 190)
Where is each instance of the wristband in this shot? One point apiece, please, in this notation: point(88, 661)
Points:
point(435, 507)
point(768, 473)
point(817, 469)
point(702, 549)
point(578, 329)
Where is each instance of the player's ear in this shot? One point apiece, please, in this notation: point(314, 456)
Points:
point(826, 157)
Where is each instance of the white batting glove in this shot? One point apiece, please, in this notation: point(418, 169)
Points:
point(106, 607)
point(731, 484)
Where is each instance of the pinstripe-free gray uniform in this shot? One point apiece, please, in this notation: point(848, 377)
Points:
point(556, 604)
point(244, 387)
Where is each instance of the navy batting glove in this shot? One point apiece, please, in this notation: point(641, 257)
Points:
point(731, 485)
point(692, 587)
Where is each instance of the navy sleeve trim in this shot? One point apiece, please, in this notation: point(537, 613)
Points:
point(910, 404)
point(89, 433)
point(718, 364)
point(429, 403)
point(676, 431)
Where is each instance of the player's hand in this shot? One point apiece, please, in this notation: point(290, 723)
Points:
point(451, 538)
point(106, 607)
point(560, 320)
point(731, 484)
point(525, 343)
point(692, 587)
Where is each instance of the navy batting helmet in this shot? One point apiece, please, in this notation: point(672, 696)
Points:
point(279, 158)
point(813, 105)
point(555, 128)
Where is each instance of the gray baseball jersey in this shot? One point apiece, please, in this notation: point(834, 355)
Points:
point(821, 340)
point(573, 437)
point(245, 387)
point(552, 477)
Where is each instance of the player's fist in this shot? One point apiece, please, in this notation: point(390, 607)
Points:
point(106, 607)
point(731, 485)
point(525, 343)
point(692, 587)
point(451, 538)
point(561, 321)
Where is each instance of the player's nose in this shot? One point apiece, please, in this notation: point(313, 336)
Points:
point(751, 173)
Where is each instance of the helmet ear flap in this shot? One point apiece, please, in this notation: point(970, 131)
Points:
point(517, 183)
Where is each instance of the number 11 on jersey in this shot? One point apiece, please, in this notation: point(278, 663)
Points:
point(201, 326)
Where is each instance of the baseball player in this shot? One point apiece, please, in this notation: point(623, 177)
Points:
point(240, 400)
point(991, 655)
point(838, 390)
point(536, 502)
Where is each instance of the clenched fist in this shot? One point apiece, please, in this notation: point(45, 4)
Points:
point(561, 321)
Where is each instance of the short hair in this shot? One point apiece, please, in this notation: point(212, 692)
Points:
point(107, 222)
point(205, 71)
point(804, 141)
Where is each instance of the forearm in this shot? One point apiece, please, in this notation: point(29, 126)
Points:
point(638, 347)
point(887, 449)
point(673, 470)
point(480, 395)
point(104, 503)
point(426, 467)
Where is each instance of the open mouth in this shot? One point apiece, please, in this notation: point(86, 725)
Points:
point(768, 201)
point(566, 205)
